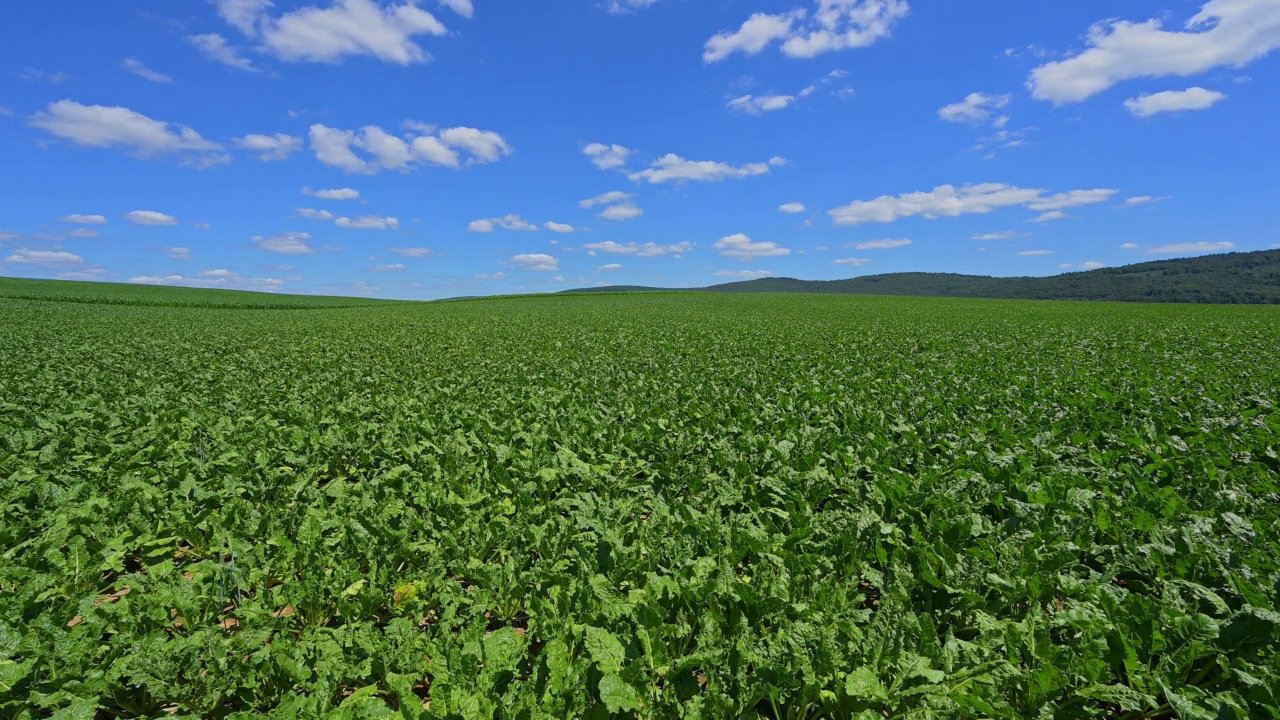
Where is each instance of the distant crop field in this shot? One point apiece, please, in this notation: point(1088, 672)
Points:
point(654, 506)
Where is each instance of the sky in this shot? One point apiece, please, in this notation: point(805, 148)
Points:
point(444, 148)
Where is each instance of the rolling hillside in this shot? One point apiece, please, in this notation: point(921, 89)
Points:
point(1234, 278)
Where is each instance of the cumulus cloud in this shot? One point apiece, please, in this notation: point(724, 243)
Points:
point(84, 233)
point(1195, 98)
point(540, 262)
point(834, 25)
point(313, 214)
point(673, 168)
point(885, 244)
point(975, 108)
point(216, 48)
point(623, 7)
point(606, 157)
point(84, 219)
point(507, 222)
point(621, 211)
point(101, 126)
point(288, 243)
point(1049, 217)
point(44, 258)
point(744, 274)
point(952, 201)
point(335, 194)
point(1034, 253)
point(1223, 33)
point(608, 198)
point(270, 147)
point(1191, 248)
point(649, 249)
point(393, 267)
point(559, 227)
point(853, 261)
point(179, 253)
point(759, 104)
point(137, 67)
point(618, 205)
point(1139, 200)
point(1002, 235)
point(368, 222)
point(609, 267)
point(462, 7)
point(741, 247)
point(150, 217)
point(1090, 265)
point(385, 151)
point(215, 278)
point(416, 252)
point(492, 276)
point(793, 208)
point(345, 28)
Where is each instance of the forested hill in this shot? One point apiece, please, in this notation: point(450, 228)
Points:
point(1230, 278)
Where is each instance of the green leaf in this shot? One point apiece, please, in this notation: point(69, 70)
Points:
point(863, 684)
point(617, 695)
point(605, 650)
point(1124, 696)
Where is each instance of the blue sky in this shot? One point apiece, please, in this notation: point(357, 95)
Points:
point(460, 147)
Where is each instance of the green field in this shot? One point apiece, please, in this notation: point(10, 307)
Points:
point(651, 505)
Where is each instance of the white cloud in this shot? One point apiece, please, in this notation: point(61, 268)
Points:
point(538, 261)
point(346, 28)
point(1224, 33)
point(834, 25)
point(462, 7)
point(1034, 253)
point(673, 168)
point(605, 199)
point(622, 211)
point(150, 217)
point(494, 276)
point(289, 243)
point(1195, 98)
point(313, 214)
point(6, 235)
point(1049, 217)
point(758, 104)
point(1130, 246)
point(336, 194)
point(559, 227)
point(975, 108)
point(744, 274)
point(1090, 265)
point(84, 233)
point(1191, 248)
point(5, 111)
point(101, 126)
point(1074, 198)
point(216, 278)
point(45, 258)
point(216, 48)
point(368, 222)
point(606, 157)
point(507, 222)
point(792, 207)
point(393, 267)
point(778, 161)
point(136, 67)
point(334, 147)
point(885, 244)
point(412, 252)
point(1002, 235)
point(952, 201)
point(853, 261)
point(179, 253)
point(610, 266)
point(84, 219)
point(743, 248)
point(648, 249)
point(622, 7)
point(202, 226)
point(270, 147)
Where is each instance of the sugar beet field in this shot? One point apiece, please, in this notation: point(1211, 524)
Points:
point(649, 506)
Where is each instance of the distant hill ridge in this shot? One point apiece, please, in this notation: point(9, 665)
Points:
point(1232, 278)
